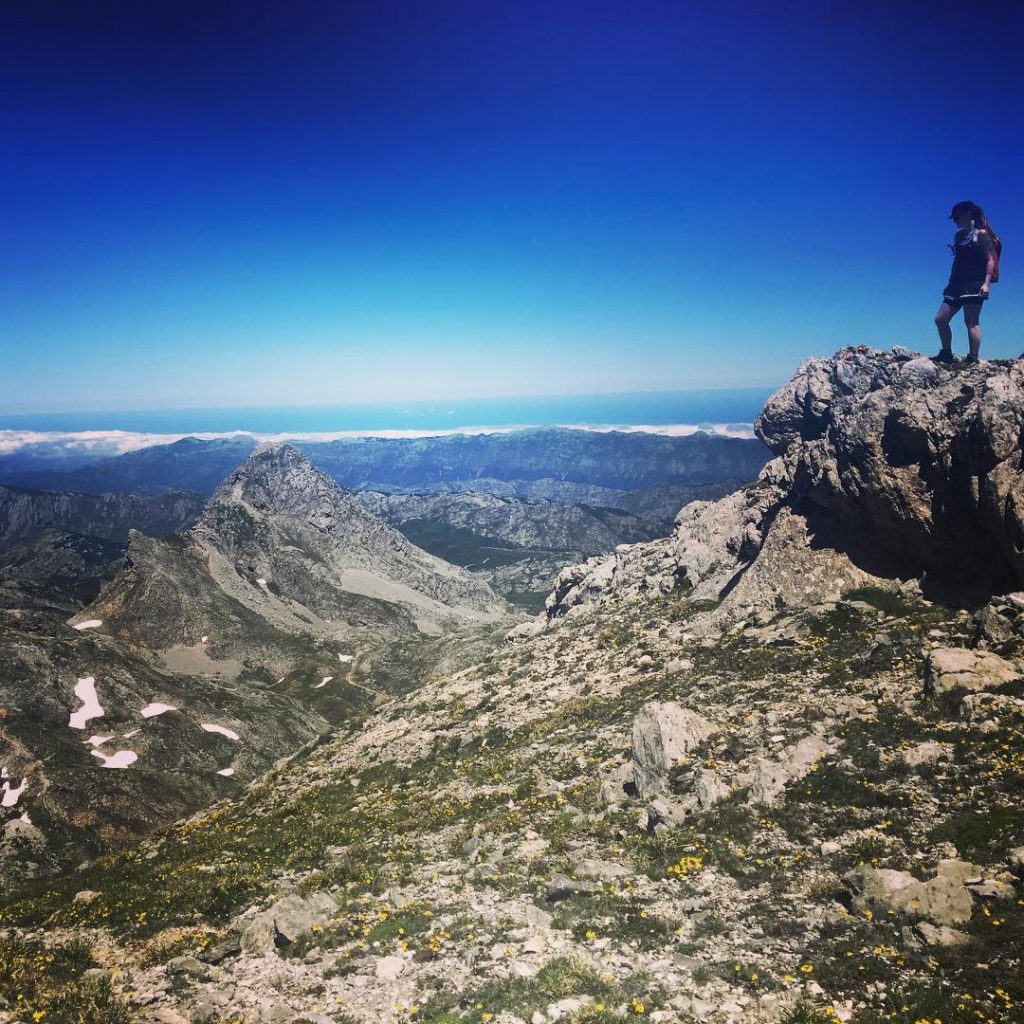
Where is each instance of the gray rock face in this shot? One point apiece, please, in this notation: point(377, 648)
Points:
point(917, 462)
point(47, 535)
point(885, 467)
point(24, 513)
point(770, 778)
point(663, 733)
point(539, 524)
point(952, 668)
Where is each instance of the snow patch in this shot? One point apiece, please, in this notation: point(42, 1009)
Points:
point(10, 792)
point(345, 658)
point(85, 691)
point(121, 759)
point(129, 735)
point(152, 710)
point(323, 682)
point(226, 772)
point(203, 639)
point(89, 624)
point(221, 730)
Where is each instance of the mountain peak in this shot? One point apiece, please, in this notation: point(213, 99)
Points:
point(277, 478)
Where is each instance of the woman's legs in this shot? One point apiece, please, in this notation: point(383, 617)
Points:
point(971, 316)
point(942, 318)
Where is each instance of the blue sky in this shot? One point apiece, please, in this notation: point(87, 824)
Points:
point(242, 204)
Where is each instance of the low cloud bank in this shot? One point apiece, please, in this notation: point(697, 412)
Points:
point(103, 443)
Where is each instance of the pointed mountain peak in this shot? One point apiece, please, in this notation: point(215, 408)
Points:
point(277, 477)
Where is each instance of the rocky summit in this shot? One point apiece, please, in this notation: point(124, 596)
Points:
point(888, 468)
point(761, 770)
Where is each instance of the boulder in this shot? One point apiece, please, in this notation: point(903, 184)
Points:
point(959, 668)
point(388, 968)
point(600, 869)
point(560, 887)
point(924, 753)
point(709, 788)
point(663, 733)
point(941, 935)
point(770, 778)
point(943, 900)
point(286, 921)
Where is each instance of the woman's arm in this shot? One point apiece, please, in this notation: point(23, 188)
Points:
point(990, 266)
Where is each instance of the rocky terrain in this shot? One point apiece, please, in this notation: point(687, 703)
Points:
point(197, 686)
point(510, 522)
point(759, 770)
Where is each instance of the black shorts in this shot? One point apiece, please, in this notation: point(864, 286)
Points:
point(963, 293)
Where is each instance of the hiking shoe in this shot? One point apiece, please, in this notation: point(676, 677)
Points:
point(970, 360)
point(945, 356)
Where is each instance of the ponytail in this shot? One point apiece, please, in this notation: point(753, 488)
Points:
point(981, 222)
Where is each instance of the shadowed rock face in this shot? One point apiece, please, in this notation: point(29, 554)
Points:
point(887, 466)
point(917, 465)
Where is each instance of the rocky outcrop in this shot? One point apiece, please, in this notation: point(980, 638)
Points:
point(663, 733)
point(943, 899)
point(287, 920)
point(887, 467)
point(918, 464)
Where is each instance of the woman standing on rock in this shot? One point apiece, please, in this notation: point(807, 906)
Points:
point(976, 249)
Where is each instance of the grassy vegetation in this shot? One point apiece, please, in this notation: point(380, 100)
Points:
point(44, 982)
point(557, 979)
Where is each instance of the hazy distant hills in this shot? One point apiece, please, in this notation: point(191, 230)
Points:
point(190, 464)
point(607, 469)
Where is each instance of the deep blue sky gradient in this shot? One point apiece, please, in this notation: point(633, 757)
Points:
point(257, 203)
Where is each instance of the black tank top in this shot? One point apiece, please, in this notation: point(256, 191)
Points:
point(970, 257)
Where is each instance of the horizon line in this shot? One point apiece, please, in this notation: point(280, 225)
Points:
point(382, 401)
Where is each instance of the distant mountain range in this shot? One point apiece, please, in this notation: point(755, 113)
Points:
point(609, 469)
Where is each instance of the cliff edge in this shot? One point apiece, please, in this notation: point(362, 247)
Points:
point(888, 469)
